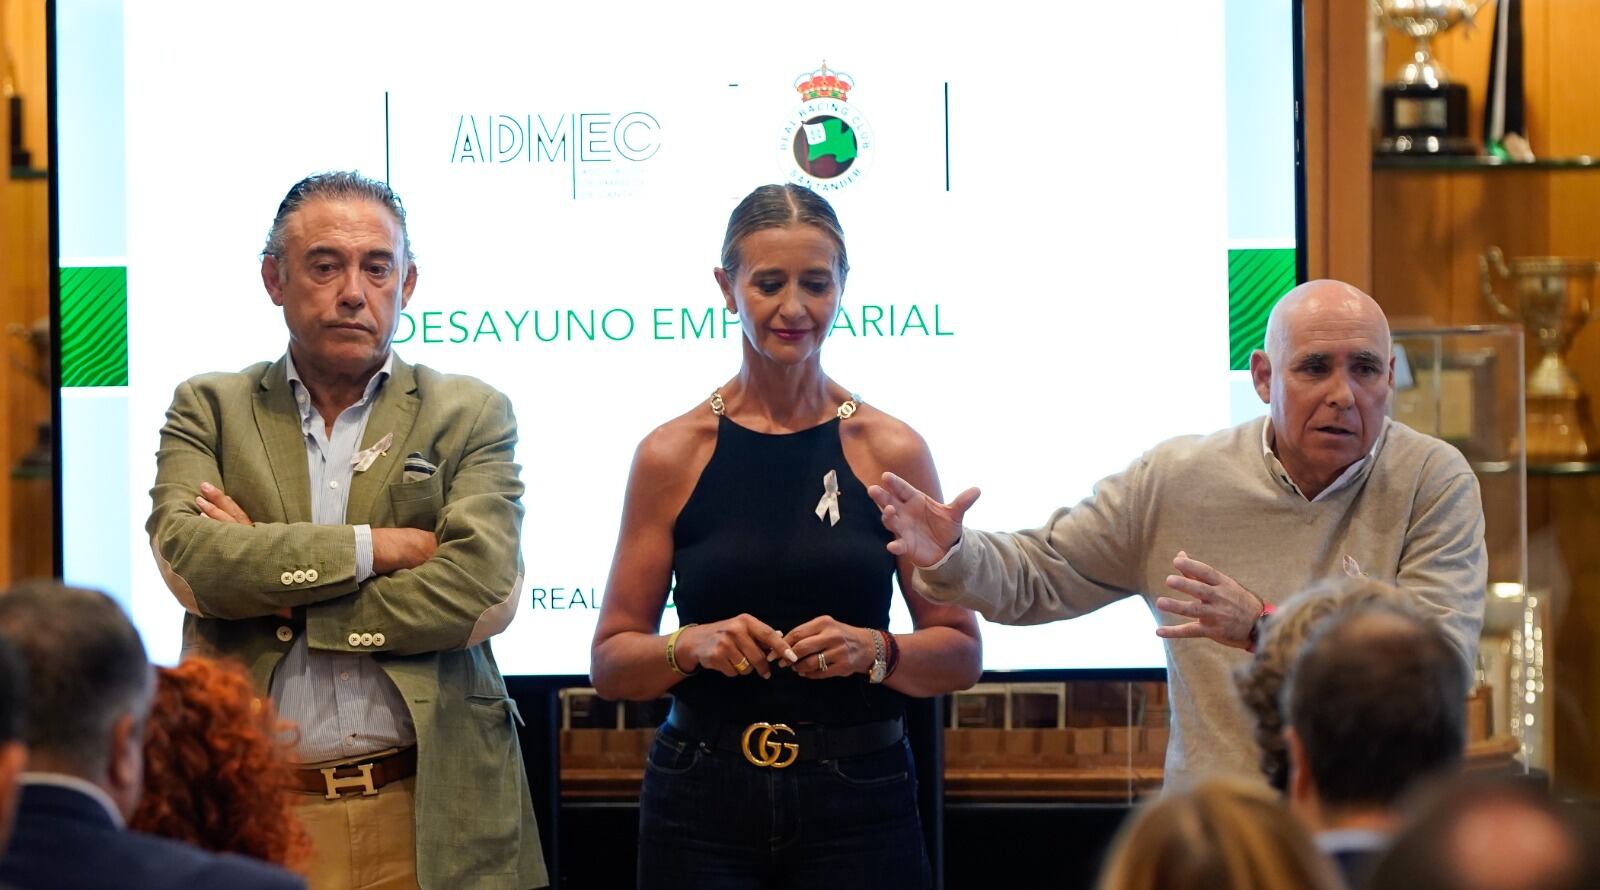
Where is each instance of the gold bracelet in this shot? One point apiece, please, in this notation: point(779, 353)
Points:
point(672, 650)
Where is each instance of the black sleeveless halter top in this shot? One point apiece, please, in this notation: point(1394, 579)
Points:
point(749, 540)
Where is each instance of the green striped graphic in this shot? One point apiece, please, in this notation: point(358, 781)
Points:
point(94, 326)
point(1256, 279)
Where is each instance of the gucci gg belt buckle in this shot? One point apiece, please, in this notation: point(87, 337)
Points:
point(759, 748)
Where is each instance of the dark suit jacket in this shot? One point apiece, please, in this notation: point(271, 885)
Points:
point(65, 840)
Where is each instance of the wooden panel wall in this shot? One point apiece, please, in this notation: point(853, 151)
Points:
point(1337, 150)
point(24, 298)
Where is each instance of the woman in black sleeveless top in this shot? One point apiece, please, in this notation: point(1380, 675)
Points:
point(784, 761)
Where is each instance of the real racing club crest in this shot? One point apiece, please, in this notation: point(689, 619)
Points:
point(827, 142)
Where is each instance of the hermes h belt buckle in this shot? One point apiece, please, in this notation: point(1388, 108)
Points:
point(336, 785)
point(758, 747)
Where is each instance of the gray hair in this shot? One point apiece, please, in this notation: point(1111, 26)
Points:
point(86, 669)
point(339, 185)
point(13, 694)
point(777, 206)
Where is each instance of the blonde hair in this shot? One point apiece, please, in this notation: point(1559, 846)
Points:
point(1225, 834)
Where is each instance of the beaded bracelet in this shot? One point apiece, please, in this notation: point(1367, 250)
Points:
point(894, 654)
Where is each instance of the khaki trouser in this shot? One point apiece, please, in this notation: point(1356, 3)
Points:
point(361, 842)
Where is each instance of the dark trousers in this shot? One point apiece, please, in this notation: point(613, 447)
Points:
point(709, 819)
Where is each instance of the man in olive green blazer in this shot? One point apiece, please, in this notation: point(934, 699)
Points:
point(435, 487)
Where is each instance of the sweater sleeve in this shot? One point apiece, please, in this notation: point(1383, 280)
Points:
point(1444, 562)
point(1087, 556)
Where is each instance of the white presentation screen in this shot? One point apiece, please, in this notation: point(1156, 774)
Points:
point(1065, 228)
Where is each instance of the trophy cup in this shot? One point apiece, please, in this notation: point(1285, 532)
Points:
point(1423, 111)
point(1554, 299)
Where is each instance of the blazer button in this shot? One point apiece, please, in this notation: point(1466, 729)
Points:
point(366, 639)
point(285, 634)
point(287, 577)
point(377, 639)
point(299, 577)
point(311, 576)
point(354, 639)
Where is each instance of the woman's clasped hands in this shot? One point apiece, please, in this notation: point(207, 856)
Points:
point(821, 648)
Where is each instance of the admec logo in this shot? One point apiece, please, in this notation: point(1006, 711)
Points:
point(827, 142)
point(591, 137)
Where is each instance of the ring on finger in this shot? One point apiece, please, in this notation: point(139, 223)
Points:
point(742, 665)
point(822, 662)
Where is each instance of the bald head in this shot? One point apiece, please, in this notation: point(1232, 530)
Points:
point(1492, 834)
point(1319, 301)
point(1326, 373)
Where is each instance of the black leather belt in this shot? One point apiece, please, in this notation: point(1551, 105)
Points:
point(779, 744)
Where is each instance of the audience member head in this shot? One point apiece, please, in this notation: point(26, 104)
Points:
point(1260, 680)
point(89, 685)
point(215, 772)
point(1326, 374)
point(1375, 702)
point(1491, 834)
point(13, 721)
point(1225, 834)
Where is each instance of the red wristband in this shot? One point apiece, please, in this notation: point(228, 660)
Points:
point(894, 654)
point(1255, 626)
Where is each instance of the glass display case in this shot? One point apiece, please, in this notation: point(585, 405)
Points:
point(1465, 385)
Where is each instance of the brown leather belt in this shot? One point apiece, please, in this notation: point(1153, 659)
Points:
point(365, 775)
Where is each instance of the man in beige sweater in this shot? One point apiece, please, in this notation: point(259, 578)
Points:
point(1212, 530)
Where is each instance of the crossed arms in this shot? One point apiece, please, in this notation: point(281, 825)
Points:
point(220, 564)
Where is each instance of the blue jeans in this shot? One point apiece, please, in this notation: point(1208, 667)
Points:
point(709, 819)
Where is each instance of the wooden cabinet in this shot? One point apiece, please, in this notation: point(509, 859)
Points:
point(1429, 225)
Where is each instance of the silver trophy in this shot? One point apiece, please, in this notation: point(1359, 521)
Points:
point(1423, 110)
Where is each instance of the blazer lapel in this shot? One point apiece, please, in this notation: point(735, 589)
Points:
point(394, 413)
point(278, 421)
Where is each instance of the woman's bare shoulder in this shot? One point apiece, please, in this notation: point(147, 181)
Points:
point(891, 442)
point(678, 445)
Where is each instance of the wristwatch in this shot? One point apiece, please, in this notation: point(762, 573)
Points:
point(880, 664)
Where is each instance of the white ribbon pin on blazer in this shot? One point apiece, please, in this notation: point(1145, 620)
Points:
point(364, 459)
point(829, 505)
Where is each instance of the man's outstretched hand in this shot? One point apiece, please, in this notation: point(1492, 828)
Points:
point(924, 529)
point(1220, 607)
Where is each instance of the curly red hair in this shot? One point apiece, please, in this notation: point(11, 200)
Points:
point(215, 771)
